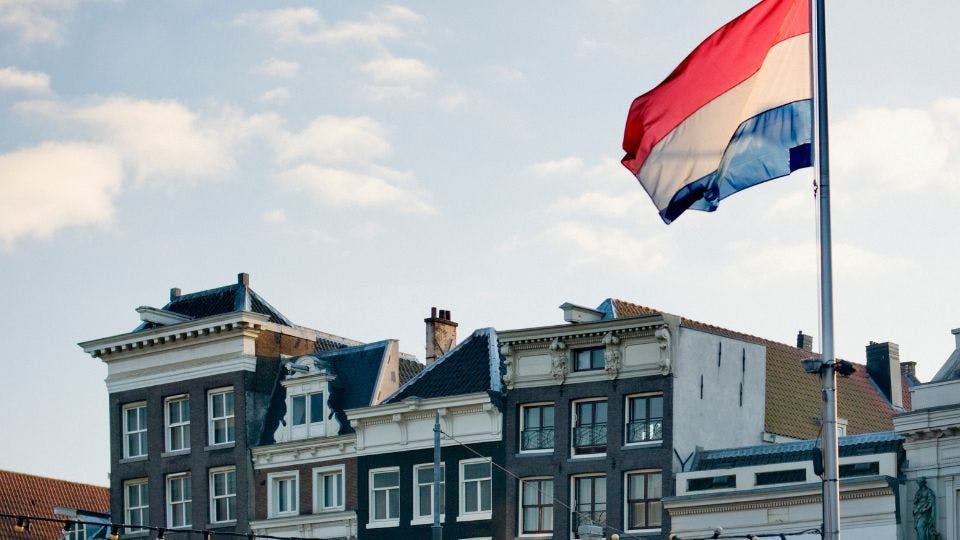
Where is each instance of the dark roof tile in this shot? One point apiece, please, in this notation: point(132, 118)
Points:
point(466, 369)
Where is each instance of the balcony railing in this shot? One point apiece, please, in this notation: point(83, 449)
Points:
point(536, 438)
point(590, 515)
point(645, 430)
point(590, 437)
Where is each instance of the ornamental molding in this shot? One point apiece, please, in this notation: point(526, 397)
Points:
point(611, 354)
point(510, 365)
point(662, 336)
point(574, 339)
point(558, 360)
point(775, 503)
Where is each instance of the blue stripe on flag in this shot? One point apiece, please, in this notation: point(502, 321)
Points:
point(770, 145)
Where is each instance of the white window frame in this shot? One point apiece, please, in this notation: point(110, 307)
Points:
point(274, 481)
point(573, 425)
point(628, 410)
point(78, 531)
point(228, 419)
point(419, 519)
point(479, 513)
point(140, 431)
point(626, 502)
point(188, 500)
point(520, 531)
point(373, 523)
point(169, 426)
point(575, 502)
point(214, 498)
point(144, 494)
point(308, 409)
point(319, 502)
point(522, 422)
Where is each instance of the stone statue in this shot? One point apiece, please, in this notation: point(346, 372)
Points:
point(925, 512)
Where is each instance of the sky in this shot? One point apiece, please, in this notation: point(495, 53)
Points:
point(365, 161)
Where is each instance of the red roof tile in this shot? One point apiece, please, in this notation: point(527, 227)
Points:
point(29, 495)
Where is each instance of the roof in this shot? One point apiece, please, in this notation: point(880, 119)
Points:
point(227, 299)
point(854, 445)
point(409, 369)
point(357, 369)
point(472, 366)
point(793, 399)
point(29, 495)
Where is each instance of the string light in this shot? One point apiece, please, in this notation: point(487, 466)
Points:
point(23, 524)
point(160, 533)
point(114, 532)
point(67, 527)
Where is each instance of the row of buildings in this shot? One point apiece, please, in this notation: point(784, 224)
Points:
point(228, 417)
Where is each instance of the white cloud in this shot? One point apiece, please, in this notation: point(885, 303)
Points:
point(346, 188)
point(55, 185)
point(36, 21)
point(276, 67)
point(453, 101)
point(624, 203)
point(567, 165)
point(274, 216)
point(307, 26)
point(590, 46)
point(393, 70)
point(336, 139)
point(276, 96)
point(773, 260)
point(506, 76)
point(586, 244)
point(900, 149)
point(12, 78)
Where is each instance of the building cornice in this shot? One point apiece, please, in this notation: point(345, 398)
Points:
point(585, 331)
point(304, 451)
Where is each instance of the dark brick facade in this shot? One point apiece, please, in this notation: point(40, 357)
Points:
point(305, 486)
point(451, 457)
point(559, 464)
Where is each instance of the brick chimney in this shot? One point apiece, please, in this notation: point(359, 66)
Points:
point(883, 366)
point(804, 341)
point(441, 334)
point(243, 278)
point(909, 370)
point(174, 293)
point(956, 336)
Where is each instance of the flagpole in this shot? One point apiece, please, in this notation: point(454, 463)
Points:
point(828, 373)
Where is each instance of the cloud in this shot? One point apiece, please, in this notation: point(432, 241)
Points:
point(904, 149)
point(36, 21)
point(393, 70)
point(336, 139)
point(506, 76)
point(627, 202)
point(306, 26)
point(12, 78)
point(48, 187)
point(276, 96)
point(774, 260)
point(274, 216)
point(586, 244)
point(453, 101)
point(589, 47)
point(567, 165)
point(276, 67)
point(345, 188)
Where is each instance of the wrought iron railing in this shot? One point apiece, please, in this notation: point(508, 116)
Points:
point(595, 514)
point(590, 436)
point(645, 430)
point(536, 438)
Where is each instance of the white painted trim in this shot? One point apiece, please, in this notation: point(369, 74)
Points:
point(167, 425)
point(626, 505)
point(168, 502)
point(628, 410)
point(475, 515)
point(183, 371)
point(573, 425)
point(210, 494)
point(126, 500)
point(210, 418)
point(126, 431)
point(304, 451)
point(317, 488)
point(420, 519)
point(520, 533)
point(521, 423)
point(273, 480)
point(388, 522)
point(572, 497)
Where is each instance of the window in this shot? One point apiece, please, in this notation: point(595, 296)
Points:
point(328, 488)
point(179, 500)
point(221, 416)
point(135, 430)
point(223, 495)
point(712, 482)
point(869, 468)
point(588, 359)
point(177, 423)
point(589, 501)
point(423, 493)
point(307, 409)
point(475, 487)
point(536, 427)
point(136, 503)
point(780, 477)
point(590, 427)
point(644, 418)
point(283, 494)
point(644, 491)
point(536, 506)
point(384, 497)
point(78, 531)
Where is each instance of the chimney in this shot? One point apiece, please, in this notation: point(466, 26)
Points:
point(243, 278)
point(441, 334)
point(909, 370)
point(174, 293)
point(956, 336)
point(804, 341)
point(883, 366)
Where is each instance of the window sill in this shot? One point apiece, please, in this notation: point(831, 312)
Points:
point(221, 446)
point(475, 517)
point(383, 524)
point(173, 453)
point(219, 524)
point(643, 444)
point(328, 510)
point(643, 531)
point(427, 520)
point(588, 456)
point(277, 515)
point(135, 459)
point(538, 536)
point(540, 452)
point(142, 533)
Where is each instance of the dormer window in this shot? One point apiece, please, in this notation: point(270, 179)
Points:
point(307, 409)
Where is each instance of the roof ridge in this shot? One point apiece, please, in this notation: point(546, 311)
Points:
point(52, 479)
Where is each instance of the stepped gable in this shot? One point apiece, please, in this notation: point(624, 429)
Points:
point(793, 400)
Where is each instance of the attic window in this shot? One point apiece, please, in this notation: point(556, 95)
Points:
point(781, 477)
point(712, 482)
point(588, 359)
point(869, 468)
point(307, 408)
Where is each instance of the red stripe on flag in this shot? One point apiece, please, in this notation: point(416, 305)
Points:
point(725, 59)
